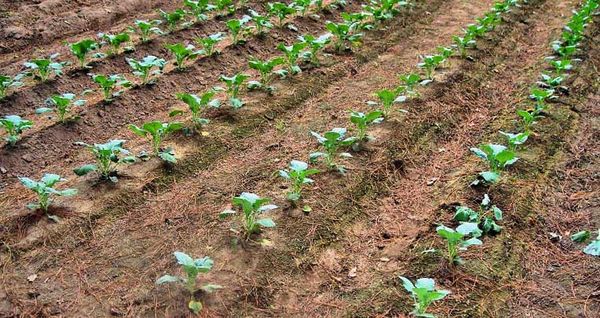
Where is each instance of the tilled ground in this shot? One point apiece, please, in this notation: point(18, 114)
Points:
point(113, 241)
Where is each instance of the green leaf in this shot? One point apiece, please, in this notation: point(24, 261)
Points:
point(408, 285)
point(267, 222)
point(168, 279)
point(593, 248)
point(490, 177)
point(85, 169)
point(581, 236)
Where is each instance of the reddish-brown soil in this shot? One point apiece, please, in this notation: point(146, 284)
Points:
point(367, 227)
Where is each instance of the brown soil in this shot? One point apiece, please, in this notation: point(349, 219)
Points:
point(113, 241)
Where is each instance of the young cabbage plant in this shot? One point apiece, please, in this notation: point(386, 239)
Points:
point(298, 175)
point(252, 207)
point(463, 43)
point(384, 9)
point(262, 24)
point(456, 240)
point(191, 267)
point(475, 31)
point(331, 142)
point(81, 50)
point(237, 29)
point(540, 96)
point(111, 85)
point(199, 8)
point(314, 46)
point(145, 28)
point(61, 104)
point(337, 5)
point(486, 217)
point(45, 189)
point(7, 82)
point(343, 35)
point(157, 131)
point(317, 4)
point(489, 21)
point(108, 156)
point(301, 6)
point(561, 66)
point(362, 121)
point(387, 99)
point(424, 294)
point(409, 84)
point(563, 50)
point(234, 84)
point(14, 126)
point(183, 53)
point(498, 158)
point(528, 118)
point(550, 81)
point(292, 54)
point(430, 63)
point(208, 43)
point(281, 11)
point(224, 7)
point(197, 104)
point(147, 68)
point(515, 140)
point(266, 70)
point(357, 21)
point(172, 19)
point(114, 41)
point(41, 69)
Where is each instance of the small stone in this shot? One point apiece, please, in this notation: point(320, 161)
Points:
point(3, 170)
point(384, 259)
point(31, 278)
point(27, 158)
point(352, 272)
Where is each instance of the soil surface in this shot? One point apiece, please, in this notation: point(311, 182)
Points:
point(364, 228)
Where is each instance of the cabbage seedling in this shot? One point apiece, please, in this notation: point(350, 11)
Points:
point(489, 21)
point(14, 126)
point(486, 217)
point(498, 158)
point(172, 18)
point(199, 8)
point(81, 49)
point(358, 21)
point(146, 67)
point(234, 83)
point(384, 9)
point(208, 43)
point(561, 66)
point(540, 96)
point(292, 53)
point(301, 6)
point(475, 31)
point(298, 175)
point(409, 84)
point(7, 82)
point(549, 81)
point(196, 105)
point(111, 85)
point(331, 142)
point(362, 121)
point(281, 11)
point(114, 41)
point(191, 267)
point(314, 46)
point(252, 207)
point(183, 53)
point(515, 140)
point(157, 131)
point(108, 157)
point(528, 119)
point(145, 28)
point(262, 24)
point(318, 4)
point(61, 105)
point(225, 6)
point(41, 69)
point(463, 43)
point(424, 294)
point(237, 28)
point(265, 68)
point(429, 63)
point(387, 98)
point(45, 188)
point(456, 239)
point(343, 35)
